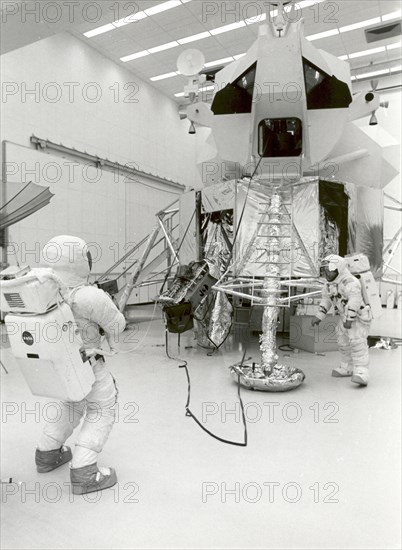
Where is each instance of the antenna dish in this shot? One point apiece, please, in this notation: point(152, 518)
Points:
point(190, 62)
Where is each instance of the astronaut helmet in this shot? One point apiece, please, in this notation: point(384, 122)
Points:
point(332, 266)
point(70, 259)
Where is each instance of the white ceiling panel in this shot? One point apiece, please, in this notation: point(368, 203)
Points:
point(232, 40)
point(180, 28)
point(199, 15)
point(362, 61)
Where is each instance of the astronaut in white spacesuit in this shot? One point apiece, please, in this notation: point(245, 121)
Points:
point(93, 310)
point(343, 291)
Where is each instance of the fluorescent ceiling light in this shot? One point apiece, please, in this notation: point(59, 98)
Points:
point(238, 56)
point(163, 76)
point(134, 56)
point(298, 6)
point(162, 47)
point(206, 89)
point(307, 3)
point(373, 73)
point(392, 15)
point(219, 62)
point(99, 30)
point(396, 69)
point(130, 19)
point(367, 52)
point(353, 78)
point(322, 34)
point(194, 37)
point(163, 7)
point(360, 25)
point(233, 26)
point(394, 46)
point(227, 28)
point(256, 19)
point(371, 51)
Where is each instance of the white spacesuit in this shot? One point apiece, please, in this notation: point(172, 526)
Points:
point(93, 310)
point(343, 291)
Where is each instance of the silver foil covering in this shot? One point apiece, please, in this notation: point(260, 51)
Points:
point(201, 326)
point(271, 287)
point(281, 378)
point(329, 243)
point(221, 319)
point(366, 220)
point(269, 376)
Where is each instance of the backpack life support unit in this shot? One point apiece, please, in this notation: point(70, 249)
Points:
point(359, 267)
point(43, 334)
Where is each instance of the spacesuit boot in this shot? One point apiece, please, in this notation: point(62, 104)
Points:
point(342, 370)
point(46, 461)
point(361, 376)
point(89, 479)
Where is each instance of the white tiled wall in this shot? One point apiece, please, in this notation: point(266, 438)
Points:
point(388, 131)
point(147, 133)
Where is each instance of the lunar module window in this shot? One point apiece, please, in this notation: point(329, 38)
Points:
point(237, 96)
point(324, 91)
point(280, 137)
point(246, 81)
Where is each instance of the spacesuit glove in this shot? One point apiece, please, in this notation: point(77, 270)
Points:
point(347, 324)
point(315, 321)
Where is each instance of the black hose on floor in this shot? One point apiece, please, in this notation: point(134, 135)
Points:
point(187, 406)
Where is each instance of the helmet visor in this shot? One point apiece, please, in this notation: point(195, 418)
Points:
point(328, 274)
point(89, 256)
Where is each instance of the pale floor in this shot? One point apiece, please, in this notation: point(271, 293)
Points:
point(178, 488)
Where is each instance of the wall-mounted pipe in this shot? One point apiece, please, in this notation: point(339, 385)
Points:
point(4, 254)
point(42, 144)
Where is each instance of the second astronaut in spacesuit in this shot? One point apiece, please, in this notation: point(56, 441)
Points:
point(343, 291)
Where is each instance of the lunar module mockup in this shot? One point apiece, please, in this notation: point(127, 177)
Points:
point(288, 179)
point(300, 180)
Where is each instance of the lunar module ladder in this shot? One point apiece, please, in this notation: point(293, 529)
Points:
point(274, 236)
point(271, 245)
